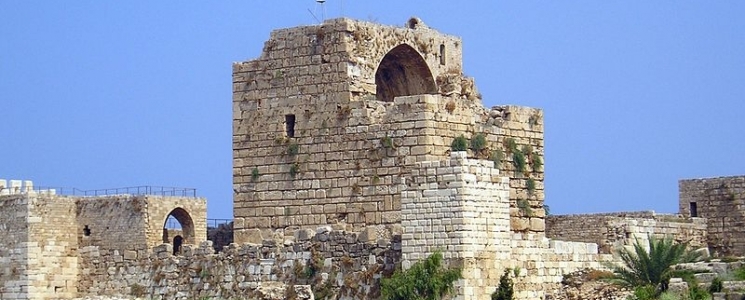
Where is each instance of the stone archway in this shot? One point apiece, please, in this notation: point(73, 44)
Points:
point(183, 227)
point(403, 72)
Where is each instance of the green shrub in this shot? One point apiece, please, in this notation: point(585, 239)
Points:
point(459, 144)
point(697, 293)
point(255, 174)
point(739, 273)
point(716, 285)
point(645, 292)
point(537, 162)
point(478, 142)
point(530, 185)
point(505, 290)
point(668, 296)
point(518, 160)
point(510, 144)
point(425, 280)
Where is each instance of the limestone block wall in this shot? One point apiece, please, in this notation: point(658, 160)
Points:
point(720, 200)
point(541, 263)
point(52, 263)
point(14, 242)
point(460, 207)
point(112, 223)
point(349, 265)
point(613, 230)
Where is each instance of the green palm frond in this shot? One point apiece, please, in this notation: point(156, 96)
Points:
point(651, 267)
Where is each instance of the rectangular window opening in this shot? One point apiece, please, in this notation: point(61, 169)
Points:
point(442, 54)
point(290, 125)
point(694, 210)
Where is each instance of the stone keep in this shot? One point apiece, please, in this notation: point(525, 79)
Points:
point(323, 132)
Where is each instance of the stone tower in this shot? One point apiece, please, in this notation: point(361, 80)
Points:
point(324, 133)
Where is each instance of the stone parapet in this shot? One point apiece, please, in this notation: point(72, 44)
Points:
point(612, 231)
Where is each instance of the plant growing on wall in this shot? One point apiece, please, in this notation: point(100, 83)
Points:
point(478, 142)
point(519, 162)
point(425, 280)
point(530, 185)
point(460, 143)
point(536, 162)
point(255, 174)
point(293, 149)
point(524, 207)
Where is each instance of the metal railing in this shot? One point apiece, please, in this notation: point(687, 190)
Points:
point(214, 223)
point(132, 190)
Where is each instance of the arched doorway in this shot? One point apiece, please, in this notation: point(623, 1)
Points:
point(403, 72)
point(177, 242)
point(178, 228)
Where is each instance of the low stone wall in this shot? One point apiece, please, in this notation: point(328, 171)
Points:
point(541, 263)
point(613, 230)
point(332, 262)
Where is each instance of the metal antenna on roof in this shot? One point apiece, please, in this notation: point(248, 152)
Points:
point(323, 9)
point(315, 10)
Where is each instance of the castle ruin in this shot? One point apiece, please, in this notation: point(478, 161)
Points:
point(357, 148)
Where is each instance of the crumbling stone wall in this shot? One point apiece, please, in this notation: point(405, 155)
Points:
point(720, 200)
point(613, 230)
point(332, 262)
point(325, 129)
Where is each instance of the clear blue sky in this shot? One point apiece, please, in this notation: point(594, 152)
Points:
point(637, 94)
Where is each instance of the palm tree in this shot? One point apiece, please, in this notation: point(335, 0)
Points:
point(653, 267)
point(425, 280)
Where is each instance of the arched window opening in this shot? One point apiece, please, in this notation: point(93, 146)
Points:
point(403, 72)
point(178, 228)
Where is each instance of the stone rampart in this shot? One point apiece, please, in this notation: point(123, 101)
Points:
point(720, 200)
point(613, 230)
